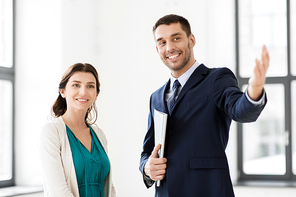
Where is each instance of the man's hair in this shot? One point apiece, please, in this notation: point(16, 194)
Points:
point(173, 18)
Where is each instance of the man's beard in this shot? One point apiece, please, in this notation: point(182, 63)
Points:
point(183, 64)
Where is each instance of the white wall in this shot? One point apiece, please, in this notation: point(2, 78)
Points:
point(116, 37)
point(50, 36)
point(130, 71)
point(38, 63)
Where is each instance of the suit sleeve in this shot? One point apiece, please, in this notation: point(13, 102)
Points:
point(231, 100)
point(148, 146)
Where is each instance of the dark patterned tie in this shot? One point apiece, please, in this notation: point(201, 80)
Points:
point(171, 101)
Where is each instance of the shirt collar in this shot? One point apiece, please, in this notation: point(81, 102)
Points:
point(185, 76)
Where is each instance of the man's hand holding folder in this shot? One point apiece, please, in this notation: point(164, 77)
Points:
point(155, 167)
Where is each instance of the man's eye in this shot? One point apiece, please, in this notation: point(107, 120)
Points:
point(176, 39)
point(161, 43)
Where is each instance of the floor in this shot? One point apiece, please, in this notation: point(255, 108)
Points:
point(24, 191)
point(33, 195)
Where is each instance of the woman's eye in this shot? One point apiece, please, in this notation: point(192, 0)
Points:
point(76, 85)
point(91, 86)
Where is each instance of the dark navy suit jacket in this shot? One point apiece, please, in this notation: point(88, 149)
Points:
point(197, 134)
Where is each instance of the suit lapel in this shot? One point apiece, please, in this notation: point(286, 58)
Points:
point(163, 93)
point(160, 102)
point(198, 75)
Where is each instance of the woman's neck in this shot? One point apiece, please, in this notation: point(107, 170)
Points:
point(75, 120)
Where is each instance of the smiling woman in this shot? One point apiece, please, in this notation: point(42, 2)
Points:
point(80, 93)
point(60, 106)
point(72, 148)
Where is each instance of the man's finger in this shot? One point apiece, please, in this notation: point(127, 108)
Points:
point(154, 153)
point(265, 56)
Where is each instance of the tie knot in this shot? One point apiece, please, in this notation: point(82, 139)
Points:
point(176, 84)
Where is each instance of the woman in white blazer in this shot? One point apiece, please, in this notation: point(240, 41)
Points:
point(73, 150)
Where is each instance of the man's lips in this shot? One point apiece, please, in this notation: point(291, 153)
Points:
point(174, 55)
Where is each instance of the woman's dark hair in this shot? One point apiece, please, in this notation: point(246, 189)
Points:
point(173, 18)
point(60, 106)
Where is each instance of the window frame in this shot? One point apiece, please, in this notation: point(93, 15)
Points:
point(8, 73)
point(286, 81)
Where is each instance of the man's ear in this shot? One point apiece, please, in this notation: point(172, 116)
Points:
point(157, 49)
point(192, 40)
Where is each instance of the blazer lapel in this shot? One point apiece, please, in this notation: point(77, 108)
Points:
point(162, 102)
point(198, 75)
point(163, 93)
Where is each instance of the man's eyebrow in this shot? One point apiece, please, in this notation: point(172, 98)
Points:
point(174, 34)
point(159, 39)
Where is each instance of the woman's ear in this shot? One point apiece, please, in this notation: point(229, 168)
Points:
point(62, 93)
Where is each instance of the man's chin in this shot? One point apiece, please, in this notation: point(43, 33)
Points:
point(174, 67)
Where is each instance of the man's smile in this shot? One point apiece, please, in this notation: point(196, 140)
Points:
point(173, 56)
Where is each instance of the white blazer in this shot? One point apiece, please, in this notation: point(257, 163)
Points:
point(57, 162)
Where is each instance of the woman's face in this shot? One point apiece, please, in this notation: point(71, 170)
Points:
point(80, 91)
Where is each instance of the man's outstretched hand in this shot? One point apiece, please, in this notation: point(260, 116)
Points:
point(257, 80)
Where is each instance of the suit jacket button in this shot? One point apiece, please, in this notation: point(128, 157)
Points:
point(171, 132)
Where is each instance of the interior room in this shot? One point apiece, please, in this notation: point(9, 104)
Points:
point(116, 37)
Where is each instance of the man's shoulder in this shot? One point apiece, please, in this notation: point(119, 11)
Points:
point(160, 90)
point(221, 70)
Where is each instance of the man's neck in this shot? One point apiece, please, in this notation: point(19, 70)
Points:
point(179, 73)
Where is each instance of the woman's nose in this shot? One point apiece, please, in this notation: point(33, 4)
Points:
point(82, 90)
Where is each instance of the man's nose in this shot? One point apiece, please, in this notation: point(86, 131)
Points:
point(170, 47)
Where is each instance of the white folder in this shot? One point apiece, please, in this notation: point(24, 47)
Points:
point(160, 124)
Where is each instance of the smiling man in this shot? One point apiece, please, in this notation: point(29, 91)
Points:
point(175, 48)
point(200, 103)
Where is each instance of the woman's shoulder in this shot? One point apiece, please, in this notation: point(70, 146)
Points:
point(99, 132)
point(55, 122)
point(53, 127)
point(97, 129)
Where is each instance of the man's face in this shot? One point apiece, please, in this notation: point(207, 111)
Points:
point(174, 48)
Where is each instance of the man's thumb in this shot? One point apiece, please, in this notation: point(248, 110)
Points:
point(154, 153)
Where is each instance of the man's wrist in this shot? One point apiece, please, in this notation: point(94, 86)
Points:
point(260, 101)
point(145, 172)
point(255, 93)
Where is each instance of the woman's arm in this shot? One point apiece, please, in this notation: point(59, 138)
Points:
point(50, 153)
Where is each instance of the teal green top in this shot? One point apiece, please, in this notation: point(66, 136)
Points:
point(92, 167)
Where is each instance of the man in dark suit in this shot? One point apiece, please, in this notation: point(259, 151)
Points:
point(200, 103)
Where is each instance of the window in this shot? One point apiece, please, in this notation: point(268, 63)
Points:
point(294, 125)
point(6, 93)
point(266, 148)
point(293, 83)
